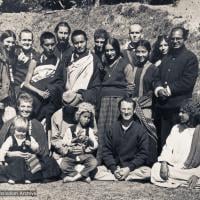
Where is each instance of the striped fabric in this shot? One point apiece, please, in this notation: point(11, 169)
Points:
point(109, 113)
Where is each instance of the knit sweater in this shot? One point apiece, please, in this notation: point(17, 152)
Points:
point(126, 148)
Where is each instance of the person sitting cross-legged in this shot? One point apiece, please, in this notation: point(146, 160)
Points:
point(126, 147)
point(81, 143)
point(179, 162)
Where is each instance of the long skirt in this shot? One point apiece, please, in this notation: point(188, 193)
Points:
point(109, 113)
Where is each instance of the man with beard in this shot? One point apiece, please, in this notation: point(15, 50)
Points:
point(25, 53)
point(83, 77)
point(100, 37)
point(63, 49)
point(135, 34)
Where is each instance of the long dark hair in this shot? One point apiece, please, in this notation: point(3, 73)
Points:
point(156, 54)
point(115, 44)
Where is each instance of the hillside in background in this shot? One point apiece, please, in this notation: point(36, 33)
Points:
point(115, 19)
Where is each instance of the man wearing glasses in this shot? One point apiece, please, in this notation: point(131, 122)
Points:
point(174, 82)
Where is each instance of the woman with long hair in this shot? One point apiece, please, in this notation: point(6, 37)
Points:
point(161, 48)
point(7, 61)
point(117, 82)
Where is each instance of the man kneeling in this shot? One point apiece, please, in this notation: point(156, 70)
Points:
point(179, 162)
point(125, 148)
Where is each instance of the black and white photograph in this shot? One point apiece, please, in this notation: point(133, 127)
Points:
point(99, 99)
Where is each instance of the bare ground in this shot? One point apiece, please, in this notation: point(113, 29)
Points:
point(99, 190)
point(116, 20)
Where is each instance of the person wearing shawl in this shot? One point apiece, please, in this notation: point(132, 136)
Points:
point(83, 69)
point(50, 168)
point(45, 80)
point(126, 147)
point(179, 162)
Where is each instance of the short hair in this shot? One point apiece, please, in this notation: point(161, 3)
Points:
point(46, 35)
point(144, 43)
point(65, 24)
point(101, 33)
point(6, 34)
point(115, 44)
point(24, 97)
point(127, 99)
point(184, 31)
point(25, 31)
point(20, 124)
point(79, 32)
point(137, 24)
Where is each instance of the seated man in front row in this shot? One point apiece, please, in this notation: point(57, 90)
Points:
point(126, 148)
point(179, 162)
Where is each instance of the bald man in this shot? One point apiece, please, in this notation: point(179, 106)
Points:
point(135, 34)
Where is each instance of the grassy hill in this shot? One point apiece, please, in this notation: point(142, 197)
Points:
point(115, 19)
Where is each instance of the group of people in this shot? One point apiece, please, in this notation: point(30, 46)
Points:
point(105, 113)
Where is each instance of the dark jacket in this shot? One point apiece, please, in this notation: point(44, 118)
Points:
point(62, 51)
point(126, 148)
point(179, 69)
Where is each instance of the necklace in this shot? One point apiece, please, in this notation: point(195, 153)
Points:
point(112, 67)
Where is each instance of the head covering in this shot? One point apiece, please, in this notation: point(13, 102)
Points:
point(71, 98)
point(84, 107)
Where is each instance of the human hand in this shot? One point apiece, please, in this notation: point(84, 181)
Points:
point(28, 143)
point(164, 171)
point(22, 57)
point(124, 172)
point(83, 138)
point(117, 174)
point(18, 154)
point(77, 150)
point(163, 93)
point(192, 182)
point(44, 94)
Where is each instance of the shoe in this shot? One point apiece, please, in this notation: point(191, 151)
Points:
point(27, 182)
point(11, 181)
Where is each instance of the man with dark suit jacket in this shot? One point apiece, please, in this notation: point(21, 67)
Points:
point(174, 82)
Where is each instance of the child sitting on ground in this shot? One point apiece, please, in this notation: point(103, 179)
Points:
point(16, 150)
point(81, 142)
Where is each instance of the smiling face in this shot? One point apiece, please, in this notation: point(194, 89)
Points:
point(25, 109)
point(9, 43)
point(110, 52)
point(126, 110)
point(177, 40)
point(164, 47)
point(142, 54)
point(26, 40)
